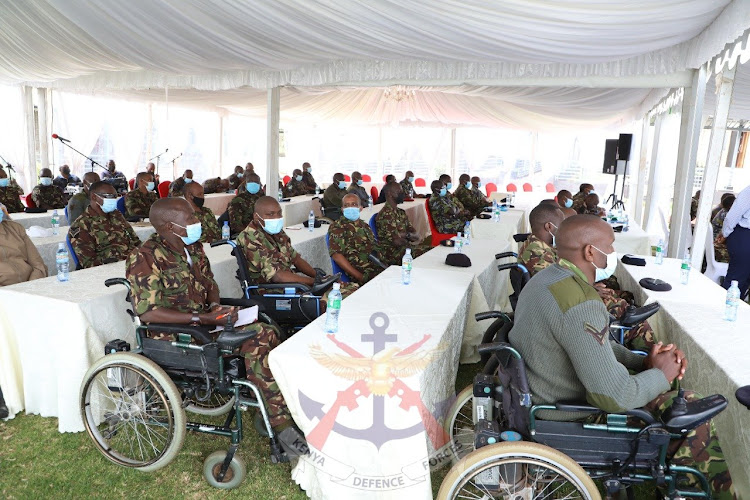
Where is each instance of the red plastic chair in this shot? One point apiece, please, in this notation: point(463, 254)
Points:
point(347, 178)
point(366, 178)
point(420, 183)
point(164, 188)
point(491, 187)
point(527, 187)
point(374, 194)
point(29, 202)
point(437, 237)
point(131, 183)
point(550, 187)
point(511, 188)
point(287, 179)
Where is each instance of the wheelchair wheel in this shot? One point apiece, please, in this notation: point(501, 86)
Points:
point(234, 476)
point(459, 424)
point(520, 469)
point(132, 411)
point(218, 404)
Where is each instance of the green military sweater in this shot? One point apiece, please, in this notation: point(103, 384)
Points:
point(562, 331)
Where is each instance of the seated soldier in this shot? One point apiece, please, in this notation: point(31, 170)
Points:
point(101, 235)
point(446, 179)
point(235, 179)
point(45, 194)
point(193, 193)
point(175, 189)
point(565, 200)
point(151, 169)
point(356, 188)
point(591, 206)
point(138, 202)
point(242, 206)
point(65, 178)
point(449, 216)
point(538, 252)
point(269, 252)
point(561, 329)
point(171, 282)
point(395, 232)
point(115, 177)
point(216, 185)
point(308, 179)
point(407, 184)
point(583, 191)
point(350, 242)
point(721, 254)
point(333, 196)
point(467, 198)
point(79, 202)
point(10, 193)
point(389, 179)
point(479, 196)
point(295, 186)
point(20, 259)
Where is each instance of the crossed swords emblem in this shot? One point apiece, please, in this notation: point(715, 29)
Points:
point(377, 376)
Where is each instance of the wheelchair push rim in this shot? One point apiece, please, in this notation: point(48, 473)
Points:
point(133, 412)
point(513, 470)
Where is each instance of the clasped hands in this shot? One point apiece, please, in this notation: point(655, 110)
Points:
point(669, 359)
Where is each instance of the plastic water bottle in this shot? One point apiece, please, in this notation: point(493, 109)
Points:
point(659, 259)
point(495, 211)
point(369, 199)
point(467, 233)
point(281, 196)
point(685, 269)
point(733, 301)
point(225, 231)
point(62, 262)
point(626, 224)
point(55, 222)
point(333, 309)
point(311, 221)
point(459, 243)
point(406, 267)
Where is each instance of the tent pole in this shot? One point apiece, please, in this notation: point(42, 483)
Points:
point(30, 139)
point(713, 163)
point(453, 157)
point(651, 205)
point(221, 144)
point(41, 95)
point(642, 159)
point(690, 132)
point(272, 142)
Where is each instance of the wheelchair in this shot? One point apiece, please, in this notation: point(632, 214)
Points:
point(133, 402)
point(290, 306)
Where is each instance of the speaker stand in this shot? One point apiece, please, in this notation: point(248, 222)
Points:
point(617, 202)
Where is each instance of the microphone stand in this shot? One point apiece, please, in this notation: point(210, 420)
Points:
point(8, 166)
point(93, 162)
point(174, 174)
point(157, 157)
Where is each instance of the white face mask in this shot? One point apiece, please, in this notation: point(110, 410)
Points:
point(603, 274)
point(553, 235)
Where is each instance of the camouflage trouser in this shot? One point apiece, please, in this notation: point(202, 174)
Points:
point(255, 351)
point(699, 448)
point(721, 253)
point(639, 338)
point(346, 290)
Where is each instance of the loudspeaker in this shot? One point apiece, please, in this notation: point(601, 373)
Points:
point(624, 144)
point(610, 157)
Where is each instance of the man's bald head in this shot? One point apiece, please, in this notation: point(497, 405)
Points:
point(585, 240)
point(445, 178)
point(392, 190)
point(266, 204)
point(45, 172)
point(90, 178)
point(296, 172)
point(586, 188)
point(101, 188)
point(549, 202)
point(169, 210)
point(436, 186)
point(591, 200)
point(338, 177)
point(350, 200)
point(464, 178)
point(194, 189)
point(543, 214)
point(253, 177)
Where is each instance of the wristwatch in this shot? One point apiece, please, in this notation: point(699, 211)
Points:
point(195, 319)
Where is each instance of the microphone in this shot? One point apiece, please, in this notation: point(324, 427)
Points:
point(63, 139)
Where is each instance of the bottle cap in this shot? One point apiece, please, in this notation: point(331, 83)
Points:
point(336, 286)
point(734, 282)
point(60, 246)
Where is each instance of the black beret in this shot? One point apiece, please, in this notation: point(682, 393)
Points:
point(458, 260)
point(655, 284)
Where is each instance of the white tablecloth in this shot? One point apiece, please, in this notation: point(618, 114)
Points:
point(350, 461)
point(218, 202)
point(634, 241)
point(297, 209)
point(43, 219)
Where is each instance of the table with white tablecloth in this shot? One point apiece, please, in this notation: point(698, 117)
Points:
point(297, 209)
point(42, 219)
point(378, 441)
point(634, 241)
point(218, 202)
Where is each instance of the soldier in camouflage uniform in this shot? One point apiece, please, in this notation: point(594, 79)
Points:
point(235, 179)
point(308, 179)
point(395, 232)
point(591, 205)
point(721, 254)
point(578, 198)
point(101, 235)
point(79, 202)
point(176, 187)
point(694, 204)
point(350, 242)
point(333, 196)
point(167, 289)
point(138, 202)
point(45, 194)
point(449, 215)
point(242, 206)
point(295, 186)
point(269, 252)
point(356, 188)
point(210, 231)
point(467, 198)
point(10, 193)
point(407, 184)
point(479, 196)
point(217, 185)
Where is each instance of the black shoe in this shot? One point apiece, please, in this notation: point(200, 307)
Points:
point(3, 410)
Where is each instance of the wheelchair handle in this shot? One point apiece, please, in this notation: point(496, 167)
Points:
point(199, 334)
point(224, 242)
point(517, 265)
point(488, 315)
point(498, 346)
point(117, 281)
point(506, 254)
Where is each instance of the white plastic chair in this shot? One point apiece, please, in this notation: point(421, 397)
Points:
point(665, 228)
point(714, 270)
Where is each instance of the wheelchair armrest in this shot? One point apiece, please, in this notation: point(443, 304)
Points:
point(696, 413)
point(497, 347)
point(488, 315)
point(639, 413)
point(223, 242)
point(198, 333)
point(117, 281)
point(505, 254)
point(281, 286)
point(242, 303)
point(634, 315)
point(521, 237)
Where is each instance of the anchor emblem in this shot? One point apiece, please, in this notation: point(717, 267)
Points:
point(377, 376)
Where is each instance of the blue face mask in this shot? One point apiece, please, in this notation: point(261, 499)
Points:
point(468, 185)
point(351, 213)
point(273, 226)
point(194, 232)
point(449, 185)
point(443, 191)
point(479, 184)
point(342, 184)
point(359, 182)
point(4, 182)
point(298, 178)
point(253, 187)
point(45, 181)
point(109, 205)
point(2, 214)
point(411, 180)
point(239, 176)
point(188, 180)
point(568, 203)
point(150, 186)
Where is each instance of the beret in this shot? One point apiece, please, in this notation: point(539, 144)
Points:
point(655, 284)
point(633, 260)
point(458, 260)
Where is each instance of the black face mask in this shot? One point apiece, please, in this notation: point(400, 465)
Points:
point(199, 201)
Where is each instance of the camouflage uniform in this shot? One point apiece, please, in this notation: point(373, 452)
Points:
point(389, 223)
point(101, 239)
point(241, 210)
point(268, 253)
point(77, 204)
point(693, 208)
point(536, 255)
point(294, 188)
point(309, 181)
point(212, 186)
point(408, 188)
point(47, 197)
point(210, 231)
point(10, 197)
point(578, 204)
point(364, 198)
point(332, 201)
point(234, 181)
point(355, 241)
point(444, 212)
point(721, 254)
point(480, 198)
point(138, 203)
point(162, 278)
point(469, 201)
point(176, 187)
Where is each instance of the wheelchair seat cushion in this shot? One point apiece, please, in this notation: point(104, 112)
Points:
point(235, 338)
